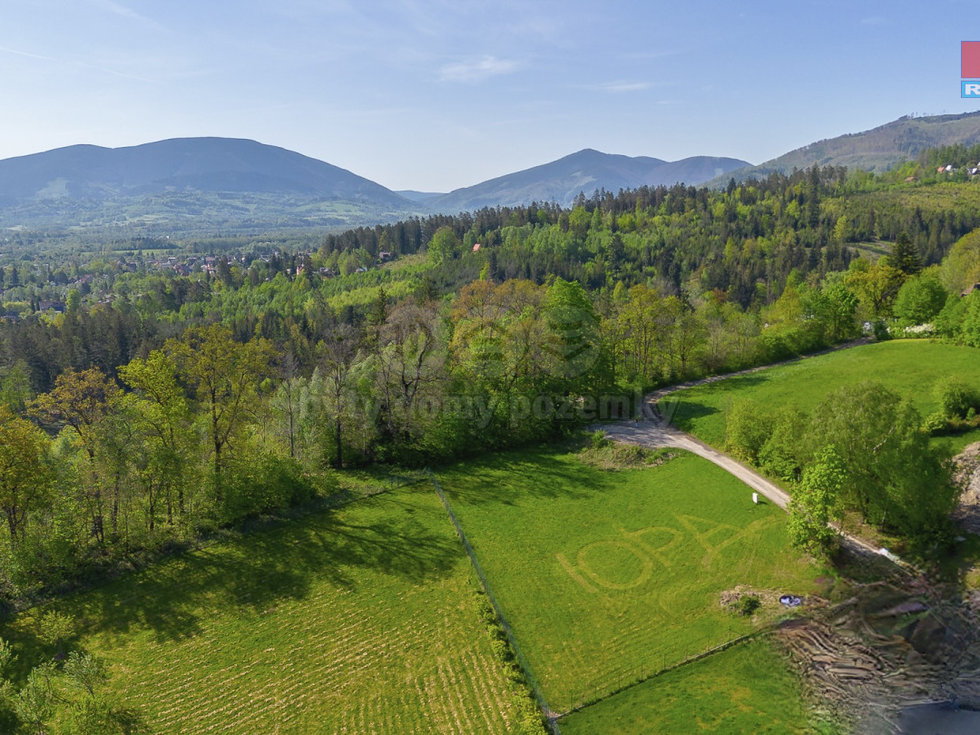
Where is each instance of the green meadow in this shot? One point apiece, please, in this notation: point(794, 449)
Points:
point(745, 689)
point(365, 618)
point(609, 577)
point(361, 619)
point(911, 368)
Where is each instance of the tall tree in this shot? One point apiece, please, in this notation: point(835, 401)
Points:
point(575, 345)
point(875, 285)
point(25, 476)
point(339, 349)
point(161, 415)
point(815, 504)
point(410, 360)
point(905, 255)
point(892, 474)
point(920, 299)
point(81, 401)
point(224, 375)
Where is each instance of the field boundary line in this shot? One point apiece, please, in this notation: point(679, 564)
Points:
point(673, 667)
point(550, 716)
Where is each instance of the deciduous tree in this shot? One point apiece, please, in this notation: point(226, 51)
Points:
point(815, 504)
point(25, 477)
point(224, 375)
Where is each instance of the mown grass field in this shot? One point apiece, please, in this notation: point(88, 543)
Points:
point(362, 619)
point(745, 689)
point(909, 367)
point(608, 577)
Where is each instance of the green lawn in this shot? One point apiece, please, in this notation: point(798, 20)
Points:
point(363, 619)
point(745, 689)
point(909, 367)
point(608, 577)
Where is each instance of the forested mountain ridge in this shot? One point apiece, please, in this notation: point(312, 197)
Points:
point(213, 186)
point(229, 185)
point(222, 185)
point(187, 184)
point(583, 172)
point(877, 149)
point(181, 164)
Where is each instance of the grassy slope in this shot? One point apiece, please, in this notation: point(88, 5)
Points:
point(362, 619)
point(909, 367)
point(745, 689)
point(650, 552)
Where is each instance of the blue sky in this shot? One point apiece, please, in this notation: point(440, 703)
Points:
point(436, 95)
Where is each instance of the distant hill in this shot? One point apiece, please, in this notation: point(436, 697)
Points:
point(419, 196)
point(222, 182)
point(877, 149)
point(583, 172)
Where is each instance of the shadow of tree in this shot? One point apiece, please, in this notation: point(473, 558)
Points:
point(502, 478)
point(399, 534)
point(686, 411)
point(687, 405)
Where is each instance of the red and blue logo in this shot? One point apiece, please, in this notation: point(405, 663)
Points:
point(970, 69)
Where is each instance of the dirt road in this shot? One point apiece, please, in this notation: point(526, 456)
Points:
point(656, 434)
point(653, 429)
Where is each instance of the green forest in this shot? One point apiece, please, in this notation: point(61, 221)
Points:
point(153, 394)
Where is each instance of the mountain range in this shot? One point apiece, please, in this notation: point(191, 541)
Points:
point(186, 184)
point(877, 149)
point(224, 185)
point(583, 172)
point(181, 164)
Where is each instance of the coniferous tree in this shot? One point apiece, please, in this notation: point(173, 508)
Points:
point(905, 256)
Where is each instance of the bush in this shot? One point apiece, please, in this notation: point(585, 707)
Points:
point(742, 604)
point(935, 423)
point(956, 398)
point(56, 629)
point(598, 439)
point(264, 484)
point(748, 604)
point(747, 430)
point(530, 720)
point(782, 454)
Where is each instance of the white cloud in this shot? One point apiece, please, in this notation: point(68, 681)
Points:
point(477, 70)
point(620, 87)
